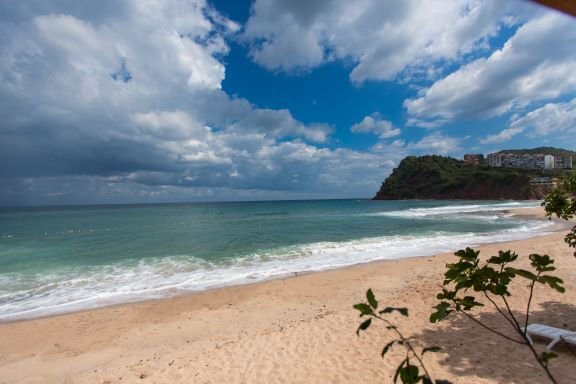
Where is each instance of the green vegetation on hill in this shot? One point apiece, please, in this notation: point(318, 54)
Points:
point(438, 177)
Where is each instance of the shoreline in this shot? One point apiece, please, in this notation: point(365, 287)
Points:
point(536, 214)
point(293, 330)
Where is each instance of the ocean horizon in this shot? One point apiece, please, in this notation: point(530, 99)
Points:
point(58, 259)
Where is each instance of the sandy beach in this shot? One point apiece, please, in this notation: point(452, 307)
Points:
point(295, 330)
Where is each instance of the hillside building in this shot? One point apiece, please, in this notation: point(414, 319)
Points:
point(532, 161)
point(549, 162)
point(563, 162)
point(494, 160)
point(474, 158)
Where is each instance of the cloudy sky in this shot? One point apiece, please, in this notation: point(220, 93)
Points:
point(132, 101)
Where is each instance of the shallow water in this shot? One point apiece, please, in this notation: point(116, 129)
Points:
point(61, 259)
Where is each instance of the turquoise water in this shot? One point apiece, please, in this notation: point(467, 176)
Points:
point(61, 259)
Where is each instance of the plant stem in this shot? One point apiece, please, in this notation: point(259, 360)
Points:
point(527, 342)
point(498, 309)
point(490, 329)
point(544, 366)
point(517, 324)
point(405, 340)
point(530, 301)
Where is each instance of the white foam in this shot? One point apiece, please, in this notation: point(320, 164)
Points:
point(456, 209)
point(172, 275)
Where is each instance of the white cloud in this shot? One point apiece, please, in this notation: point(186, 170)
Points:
point(390, 154)
point(432, 124)
point(374, 124)
point(535, 64)
point(123, 99)
point(551, 119)
point(126, 96)
point(436, 144)
point(501, 137)
point(280, 123)
point(173, 125)
point(381, 38)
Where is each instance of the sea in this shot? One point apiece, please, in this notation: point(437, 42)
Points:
point(55, 260)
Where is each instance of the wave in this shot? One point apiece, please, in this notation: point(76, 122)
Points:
point(78, 288)
point(456, 209)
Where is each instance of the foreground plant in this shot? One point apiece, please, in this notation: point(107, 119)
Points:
point(491, 281)
point(562, 203)
point(408, 370)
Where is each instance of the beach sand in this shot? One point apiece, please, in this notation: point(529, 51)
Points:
point(295, 330)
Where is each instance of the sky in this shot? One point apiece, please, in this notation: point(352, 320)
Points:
point(150, 101)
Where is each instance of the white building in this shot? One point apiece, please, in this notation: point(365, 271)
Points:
point(549, 162)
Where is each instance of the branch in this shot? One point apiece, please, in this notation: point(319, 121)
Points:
point(529, 302)
point(517, 324)
point(405, 340)
point(499, 310)
point(492, 330)
point(544, 366)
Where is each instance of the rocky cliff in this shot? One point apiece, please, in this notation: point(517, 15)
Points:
point(437, 177)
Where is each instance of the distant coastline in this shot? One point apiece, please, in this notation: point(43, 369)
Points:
point(444, 178)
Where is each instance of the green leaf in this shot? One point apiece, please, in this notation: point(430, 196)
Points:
point(468, 254)
point(405, 361)
point(371, 299)
point(446, 294)
point(545, 357)
point(468, 302)
point(364, 326)
point(364, 309)
point(431, 349)
point(503, 257)
point(387, 347)
point(409, 374)
point(542, 263)
point(403, 311)
point(498, 289)
point(457, 271)
point(522, 273)
point(553, 281)
point(442, 310)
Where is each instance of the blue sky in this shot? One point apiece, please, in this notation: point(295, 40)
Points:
point(193, 100)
